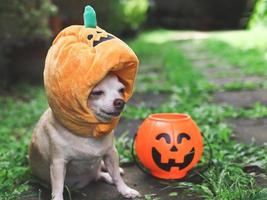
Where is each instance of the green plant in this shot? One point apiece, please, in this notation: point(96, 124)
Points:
point(20, 19)
point(257, 111)
point(191, 94)
point(259, 15)
point(227, 182)
point(118, 16)
point(232, 86)
point(124, 148)
point(134, 12)
point(17, 117)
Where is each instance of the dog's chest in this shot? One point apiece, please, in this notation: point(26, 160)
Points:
point(89, 149)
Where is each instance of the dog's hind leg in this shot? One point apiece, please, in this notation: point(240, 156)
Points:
point(104, 169)
point(105, 177)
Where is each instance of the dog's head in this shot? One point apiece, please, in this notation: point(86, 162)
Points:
point(106, 99)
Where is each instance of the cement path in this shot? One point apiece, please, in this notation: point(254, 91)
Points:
point(221, 74)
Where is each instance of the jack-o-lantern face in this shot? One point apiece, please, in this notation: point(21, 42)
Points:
point(98, 36)
point(170, 154)
point(169, 145)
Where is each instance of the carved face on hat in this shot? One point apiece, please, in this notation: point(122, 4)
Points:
point(79, 58)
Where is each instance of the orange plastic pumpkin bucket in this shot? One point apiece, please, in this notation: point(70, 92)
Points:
point(169, 145)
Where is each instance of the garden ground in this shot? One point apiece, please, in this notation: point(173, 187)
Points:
point(218, 78)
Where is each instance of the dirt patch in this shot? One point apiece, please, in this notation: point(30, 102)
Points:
point(149, 99)
point(127, 125)
point(248, 130)
point(262, 181)
point(241, 99)
point(221, 81)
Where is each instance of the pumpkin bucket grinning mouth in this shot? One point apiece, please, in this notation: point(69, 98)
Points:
point(167, 166)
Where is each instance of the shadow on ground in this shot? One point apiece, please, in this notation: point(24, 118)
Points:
point(134, 177)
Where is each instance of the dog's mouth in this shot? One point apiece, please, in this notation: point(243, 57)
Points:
point(112, 114)
point(105, 116)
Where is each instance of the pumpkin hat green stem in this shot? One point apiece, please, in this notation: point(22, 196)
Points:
point(89, 17)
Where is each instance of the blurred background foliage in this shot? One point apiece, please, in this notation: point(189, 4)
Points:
point(25, 18)
point(259, 16)
point(122, 16)
point(28, 26)
point(117, 16)
point(134, 12)
point(20, 21)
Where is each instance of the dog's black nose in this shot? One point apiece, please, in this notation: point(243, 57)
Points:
point(119, 104)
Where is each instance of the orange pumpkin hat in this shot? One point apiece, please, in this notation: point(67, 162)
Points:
point(78, 59)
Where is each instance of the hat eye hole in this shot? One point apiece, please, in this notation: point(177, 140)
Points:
point(90, 36)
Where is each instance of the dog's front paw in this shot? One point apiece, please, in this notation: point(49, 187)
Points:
point(121, 171)
point(129, 193)
point(57, 197)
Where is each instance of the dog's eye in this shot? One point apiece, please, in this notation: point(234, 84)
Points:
point(97, 93)
point(122, 90)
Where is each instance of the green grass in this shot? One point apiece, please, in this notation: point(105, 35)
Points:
point(164, 68)
point(191, 94)
point(237, 86)
point(226, 182)
point(18, 115)
point(243, 49)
